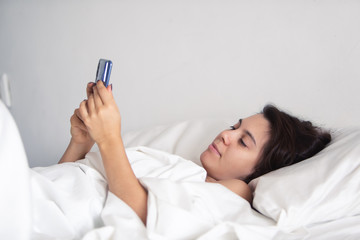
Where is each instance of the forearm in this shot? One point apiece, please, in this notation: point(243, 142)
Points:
point(75, 151)
point(102, 119)
point(121, 178)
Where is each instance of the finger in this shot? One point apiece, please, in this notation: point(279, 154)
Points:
point(109, 88)
point(105, 95)
point(91, 104)
point(83, 111)
point(77, 113)
point(77, 119)
point(97, 99)
point(77, 122)
point(89, 88)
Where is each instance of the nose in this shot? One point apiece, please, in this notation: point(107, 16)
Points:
point(226, 137)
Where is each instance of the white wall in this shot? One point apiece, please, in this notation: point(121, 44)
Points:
point(176, 60)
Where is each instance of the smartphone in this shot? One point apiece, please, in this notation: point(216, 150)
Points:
point(103, 71)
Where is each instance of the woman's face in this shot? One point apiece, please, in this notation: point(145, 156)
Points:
point(235, 152)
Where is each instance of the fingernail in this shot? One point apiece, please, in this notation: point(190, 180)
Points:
point(111, 86)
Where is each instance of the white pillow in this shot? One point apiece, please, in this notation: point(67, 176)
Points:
point(187, 139)
point(323, 188)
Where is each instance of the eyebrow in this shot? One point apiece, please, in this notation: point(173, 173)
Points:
point(248, 133)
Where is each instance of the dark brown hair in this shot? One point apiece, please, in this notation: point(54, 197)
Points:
point(291, 141)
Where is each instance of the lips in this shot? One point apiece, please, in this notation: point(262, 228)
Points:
point(214, 148)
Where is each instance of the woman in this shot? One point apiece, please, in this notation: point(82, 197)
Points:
point(252, 147)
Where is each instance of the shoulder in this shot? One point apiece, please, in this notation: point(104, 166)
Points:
point(239, 187)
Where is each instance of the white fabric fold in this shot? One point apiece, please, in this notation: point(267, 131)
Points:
point(15, 200)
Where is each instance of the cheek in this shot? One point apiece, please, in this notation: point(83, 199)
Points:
point(240, 165)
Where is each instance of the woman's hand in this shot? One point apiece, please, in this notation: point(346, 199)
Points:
point(78, 130)
point(81, 141)
point(101, 115)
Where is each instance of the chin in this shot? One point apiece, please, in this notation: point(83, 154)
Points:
point(206, 161)
point(201, 158)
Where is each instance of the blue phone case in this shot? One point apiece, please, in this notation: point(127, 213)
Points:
point(103, 71)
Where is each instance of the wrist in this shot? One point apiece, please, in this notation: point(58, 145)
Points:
point(81, 148)
point(75, 151)
point(109, 143)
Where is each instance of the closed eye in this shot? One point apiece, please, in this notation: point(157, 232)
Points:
point(242, 142)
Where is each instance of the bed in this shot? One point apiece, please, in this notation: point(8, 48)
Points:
point(318, 198)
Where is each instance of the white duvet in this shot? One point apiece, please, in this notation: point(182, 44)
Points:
point(315, 199)
point(71, 201)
